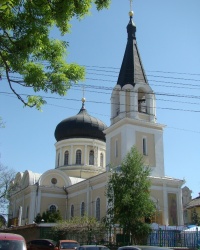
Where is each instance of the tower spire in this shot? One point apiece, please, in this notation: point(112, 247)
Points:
point(131, 71)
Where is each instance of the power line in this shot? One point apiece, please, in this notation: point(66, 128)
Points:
point(155, 71)
point(107, 103)
point(103, 69)
point(59, 106)
point(131, 91)
point(182, 87)
point(157, 93)
point(155, 76)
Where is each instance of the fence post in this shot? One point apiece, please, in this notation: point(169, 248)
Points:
point(197, 234)
point(160, 237)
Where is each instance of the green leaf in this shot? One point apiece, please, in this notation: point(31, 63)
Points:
point(28, 52)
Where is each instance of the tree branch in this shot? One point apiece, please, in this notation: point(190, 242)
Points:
point(10, 84)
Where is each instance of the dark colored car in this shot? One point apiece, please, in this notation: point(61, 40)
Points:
point(67, 244)
point(93, 247)
point(9, 241)
point(42, 244)
point(143, 248)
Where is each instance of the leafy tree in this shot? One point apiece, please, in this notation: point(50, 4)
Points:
point(86, 228)
point(2, 221)
point(38, 218)
point(48, 216)
point(6, 176)
point(28, 56)
point(195, 218)
point(129, 198)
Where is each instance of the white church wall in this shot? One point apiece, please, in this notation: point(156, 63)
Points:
point(128, 133)
point(87, 191)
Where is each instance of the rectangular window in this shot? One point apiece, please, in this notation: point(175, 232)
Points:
point(27, 212)
point(58, 159)
point(144, 146)
point(101, 160)
point(98, 209)
point(116, 148)
point(82, 209)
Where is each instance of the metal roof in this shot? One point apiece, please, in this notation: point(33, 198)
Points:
point(132, 71)
point(81, 125)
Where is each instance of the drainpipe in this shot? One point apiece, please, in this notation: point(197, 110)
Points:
point(66, 204)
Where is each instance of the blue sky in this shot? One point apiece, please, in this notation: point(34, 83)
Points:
point(168, 38)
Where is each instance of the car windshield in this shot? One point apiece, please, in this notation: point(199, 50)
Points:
point(12, 245)
point(96, 248)
point(68, 245)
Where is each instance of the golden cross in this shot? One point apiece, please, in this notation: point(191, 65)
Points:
point(131, 2)
point(83, 89)
point(83, 98)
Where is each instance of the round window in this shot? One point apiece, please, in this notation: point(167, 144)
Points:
point(53, 180)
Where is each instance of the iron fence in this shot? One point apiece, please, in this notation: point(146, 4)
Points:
point(158, 237)
point(174, 238)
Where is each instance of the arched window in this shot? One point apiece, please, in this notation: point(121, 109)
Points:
point(58, 159)
point(72, 211)
point(142, 105)
point(91, 157)
point(98, 209)
point(101, 159)
point(52, 208)
point(66, 159)
point(82, 209)
point(78, 156)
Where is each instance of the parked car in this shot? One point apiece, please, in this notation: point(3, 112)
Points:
point(67, 244)
point(9, 241)
point(143, 248)
point(42, 244)
point(93, 247)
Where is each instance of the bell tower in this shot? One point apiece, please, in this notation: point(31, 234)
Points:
point(133, 111)
point(132, 96)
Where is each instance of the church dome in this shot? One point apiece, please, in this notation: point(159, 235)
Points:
point(81, 125)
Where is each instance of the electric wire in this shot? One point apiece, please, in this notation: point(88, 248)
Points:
point(103, 102)
point(111, 88)
point(107, 90)
point(184, 86)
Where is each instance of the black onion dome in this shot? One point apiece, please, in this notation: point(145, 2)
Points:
point(81, 125)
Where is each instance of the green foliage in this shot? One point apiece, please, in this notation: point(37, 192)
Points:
point(195, 218)
point(48, 216)
point(128, 196)
point(86, 229)
point(28, 56)
point(79, 224)
point(38, 218)
point(140, 232)
point(2, 221)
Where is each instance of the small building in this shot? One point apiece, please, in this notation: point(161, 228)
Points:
point(192, 211)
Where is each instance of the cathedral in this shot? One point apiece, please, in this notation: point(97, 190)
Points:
point(85, 147)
